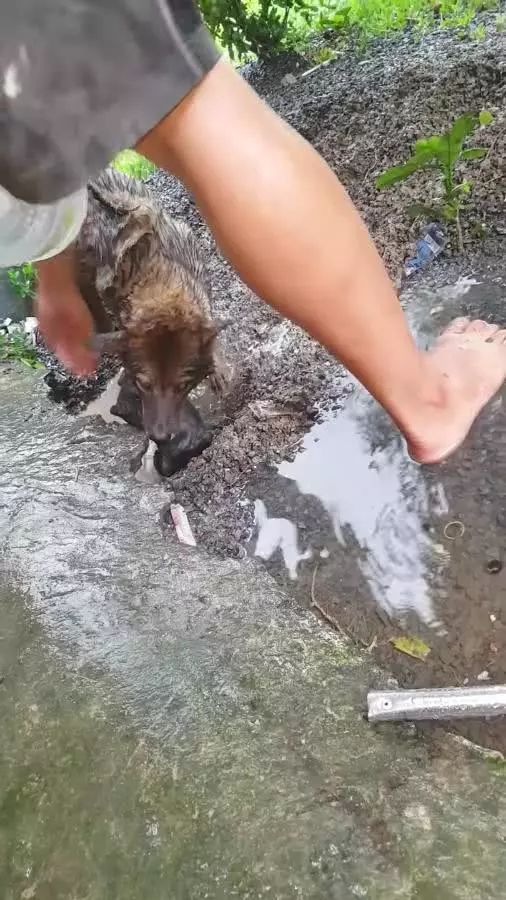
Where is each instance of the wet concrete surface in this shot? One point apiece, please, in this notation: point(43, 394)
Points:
point(173, 725)
point(396, 548)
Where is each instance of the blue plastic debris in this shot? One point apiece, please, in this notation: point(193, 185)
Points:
point(428, 247)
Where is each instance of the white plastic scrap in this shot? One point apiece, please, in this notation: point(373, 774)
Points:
point(182, 525)
point(30, 327)
point(266, 409)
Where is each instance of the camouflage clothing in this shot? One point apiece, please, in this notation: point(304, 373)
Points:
point(81, 79)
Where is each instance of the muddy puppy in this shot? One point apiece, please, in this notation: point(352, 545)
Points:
point(174, 454)
point(143, 277)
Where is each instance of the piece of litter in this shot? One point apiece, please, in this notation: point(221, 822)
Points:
point(30, 328)
point(410, 646)
point(483, 676)
point(324, 554)
point(428, 247)
point(147, 472)
point(454, 530)
point(492, 617)
point(182, 525)
point(267, 409)
point(437, 704)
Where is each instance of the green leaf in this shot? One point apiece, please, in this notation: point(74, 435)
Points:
point(449, 145)
point(430, 144)
point(474, 153)
point(462, 128)
point(410, 646)
point(400, 173)
point(485, 117)
point(133, 164)
point(449, 211)
point(463, 188)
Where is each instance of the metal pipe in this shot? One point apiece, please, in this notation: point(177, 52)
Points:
point(437, 704)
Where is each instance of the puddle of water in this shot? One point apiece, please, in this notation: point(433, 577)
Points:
point(102, 405)
point(384, 510)
point(376, 498)
point(278, 534)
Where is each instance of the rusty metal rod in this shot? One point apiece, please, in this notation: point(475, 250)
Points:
point(437, 704)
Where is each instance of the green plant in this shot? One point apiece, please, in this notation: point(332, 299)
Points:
point(323, 55)
point(22, 280)
point(18, 346)
point(377, 17)
point(478, 33)
point(260, 28)
point(132, 163)
point(327, 14)
point(442, 152)
point(248, 28)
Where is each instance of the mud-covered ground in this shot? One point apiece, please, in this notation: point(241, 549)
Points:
point(362, 112)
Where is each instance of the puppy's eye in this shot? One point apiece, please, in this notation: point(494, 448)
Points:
point(143, 382)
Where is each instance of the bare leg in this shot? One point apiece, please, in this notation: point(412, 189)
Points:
point(289, 228)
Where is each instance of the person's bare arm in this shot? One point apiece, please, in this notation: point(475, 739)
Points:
point(286, 223)
point(288, 226)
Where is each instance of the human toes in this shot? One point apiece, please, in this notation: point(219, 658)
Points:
point(480, 328)
point(499, 337)
point(458, 326)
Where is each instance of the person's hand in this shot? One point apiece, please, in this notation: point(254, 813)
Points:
point(64, 319)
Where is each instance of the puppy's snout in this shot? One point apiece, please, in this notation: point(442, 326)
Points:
point(160, 431)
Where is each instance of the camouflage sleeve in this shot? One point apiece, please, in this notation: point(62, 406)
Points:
point(82, 79)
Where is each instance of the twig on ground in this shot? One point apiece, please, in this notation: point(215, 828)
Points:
point(325, 615)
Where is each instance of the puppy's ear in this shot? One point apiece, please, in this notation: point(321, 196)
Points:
point(112, 343)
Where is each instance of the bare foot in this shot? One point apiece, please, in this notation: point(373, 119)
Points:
point(469, 360)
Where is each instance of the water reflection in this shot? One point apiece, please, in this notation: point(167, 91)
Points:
point(278, 534)
point(101, 406)
point(379, 504)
